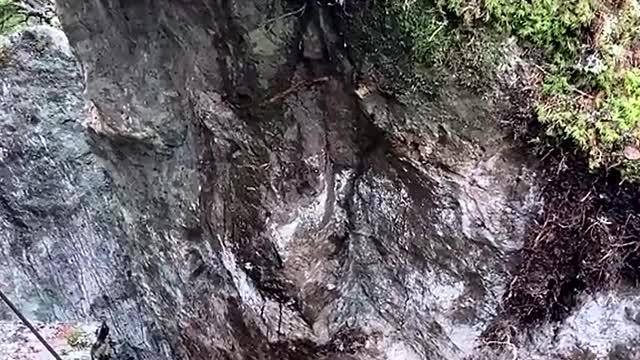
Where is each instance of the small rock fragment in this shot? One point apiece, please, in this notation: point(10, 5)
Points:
point(631, 153)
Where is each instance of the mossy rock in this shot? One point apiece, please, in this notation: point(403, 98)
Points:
point(589, 56)
point(444, 80)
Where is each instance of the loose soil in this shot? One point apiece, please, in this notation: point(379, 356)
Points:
point(587, 238)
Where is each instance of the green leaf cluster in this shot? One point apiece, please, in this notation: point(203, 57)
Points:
point(10, 16)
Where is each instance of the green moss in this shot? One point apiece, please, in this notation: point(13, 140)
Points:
point(428, 28)
point(599, 110)
point(427, 83)
point(460, 37)
point(592, 101)
point(444, 48)
point(10, 17)
point(551, 24)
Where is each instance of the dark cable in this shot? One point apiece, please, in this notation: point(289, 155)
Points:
point(28, 324)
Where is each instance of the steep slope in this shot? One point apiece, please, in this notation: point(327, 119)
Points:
point(252, 180)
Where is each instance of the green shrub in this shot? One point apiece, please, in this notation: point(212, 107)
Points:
point(551, 24)
point(10, 16)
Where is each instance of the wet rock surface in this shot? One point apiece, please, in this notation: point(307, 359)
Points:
point(228, 191)
point(60, 233)
point(276, 208)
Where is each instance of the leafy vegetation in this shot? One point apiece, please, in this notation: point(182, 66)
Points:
point(550, 24)
point(596, 103)
point(10, 16)
point(441, 43)
point(591, 87)
point(76, 338)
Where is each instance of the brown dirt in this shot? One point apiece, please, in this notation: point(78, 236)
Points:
point(588, 238)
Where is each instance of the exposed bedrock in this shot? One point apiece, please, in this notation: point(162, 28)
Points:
point(233, 189)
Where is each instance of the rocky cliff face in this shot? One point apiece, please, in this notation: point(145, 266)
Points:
point(233, 188)
point(269, 209)
point(62, 235)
